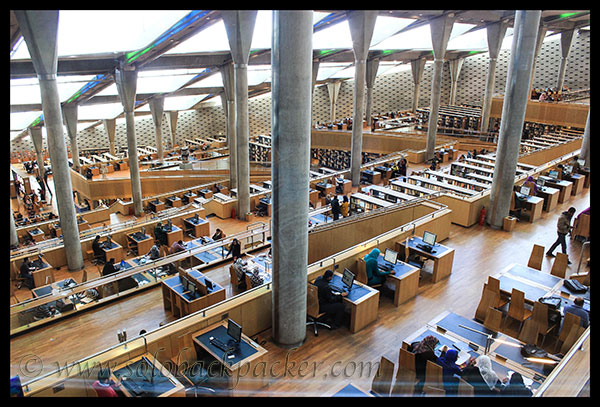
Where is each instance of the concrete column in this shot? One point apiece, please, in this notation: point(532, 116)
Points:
point(173, 115)
point(38, 144)
point(441, 28)
point(516, 96)
point(566, 39)
point(240, 26)
point(14, 239)
point(69, 112)
point(110, 125)
point(40, 31)
point(455, 67)
point(126, 80)
point(333, 88)
point(157, 107)
point(417, 67)
point(290, 130)
point(538, 46)
point(371, 75)
point(584, 152)
point(362, 23)
point(495, 35)
point(229, 86)
point(315, 72)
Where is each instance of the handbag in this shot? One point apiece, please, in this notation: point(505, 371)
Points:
point(552, 302)
point(575, 286)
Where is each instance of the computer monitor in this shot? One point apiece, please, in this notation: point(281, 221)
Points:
point(581, 162)
point(348, 278)
point(553, 174)
point(390, 256)
point(540, 182)
point(524, 190)
point(568, 169)
point(429, 238)
point(234, 331)
point(209, 284)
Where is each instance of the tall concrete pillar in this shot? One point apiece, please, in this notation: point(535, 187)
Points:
point(239, 25)
point(584, 152)
point(495, 35)
point(455, 67)
point(371, 75)
point(566, 39)
point(538, 46)
point(417, 68)
point(290, 131)
point(157, 107)
point(110, 125)
point(362, 23)
point(441, 28)
point(173, 115)
point(14, 239)
point(126, 80)
point(315, 72)
point(69, 112)
point(40, 31)
point(516, 96)
point(227, 75)
point(333, 88)
point(38, 144)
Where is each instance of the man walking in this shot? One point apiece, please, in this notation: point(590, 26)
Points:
point(563, 226)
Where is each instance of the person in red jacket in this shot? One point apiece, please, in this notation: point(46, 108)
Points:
point(104, 386)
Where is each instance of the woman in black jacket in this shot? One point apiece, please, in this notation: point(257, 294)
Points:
point(424, 351)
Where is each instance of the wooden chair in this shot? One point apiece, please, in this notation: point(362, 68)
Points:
point(84, 276)
point(536, 257)
point(405, 383)
point(540, 316)
point(530, 331)
point(433, 378)
point(489, 299)
point(406, 360)
point(494, 284)
point(516, 307)
point(312, 308)
point(574, 333)
point(493, 319)
point(569, 320)
point(465, 389)
point(361, 271)
point(382, 382)
point(559, 267)
point(431, 391)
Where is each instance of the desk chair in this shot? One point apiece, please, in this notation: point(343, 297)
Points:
point(465, 389)
point(406, 359)
point(493, 319)
point(540, 316)
point(536, 257)
point(559, 267)
point(434, 382)
point(489, 299)
point(574, 333)
point(569, 321)
point(361, 267)
point(514, 210)
point(516, 307)
point(99, 259)
point(382, 382)
point(494, 284)
point(312, 308)
point(529, 333)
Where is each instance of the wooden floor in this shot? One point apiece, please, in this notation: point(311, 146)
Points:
point(332, 357)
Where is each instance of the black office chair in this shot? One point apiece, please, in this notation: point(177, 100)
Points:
point(312, 309)
point(99, 259)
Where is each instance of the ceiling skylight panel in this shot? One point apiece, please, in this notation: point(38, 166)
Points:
point(99, 111)
point(211, 81)
point(263, 28)
point(344, 73)
point(387, 26)
point(416, 38)
point(336, 36)
point(476, 40)
point(212, 38)
point(258, 74)
point(326, 70)
point(181, 102)
point(20, 120)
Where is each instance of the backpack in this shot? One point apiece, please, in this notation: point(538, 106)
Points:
point(575, 286)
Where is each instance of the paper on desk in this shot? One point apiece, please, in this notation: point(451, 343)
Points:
point(463, 357)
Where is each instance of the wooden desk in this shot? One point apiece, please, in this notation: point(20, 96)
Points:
point(313, 195)
point(181, 302)
point(362, 300)
point(585, 172)
point(36, 234)
point(550, 196)
point(143, 246)
point(565, 187)
point(197, 228)
point(405, 281)
point(581, 226)
point(82, 224)
point(157, 207)
point(325, 188)
point(134, 378)
point(578, 180)
point(174, 201)
point(373, 177)
point(534, 205)
point(188, 197)
point(247, 357)
point(386, 172)
point(115, 251)
point(174, 235)
point(43, 275)
point(442, 258)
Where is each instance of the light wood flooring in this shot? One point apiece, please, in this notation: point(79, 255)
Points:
point(337, 355)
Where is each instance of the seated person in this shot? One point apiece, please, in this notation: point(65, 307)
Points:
point(255, 278)
point(240, 272)
point(235, 249)
point(109, 267)
point(516, 387)
point(330, 303)
point(104, 386)
point(479, 374)
point(374, 275)
point(424, 351)
point(577, 309)
point(25, 271)
point(154, 252)
point(531, 184)
point(160, 235)
point(97, 247)
point(218, 235)
point(177, 247)
point(447, 360)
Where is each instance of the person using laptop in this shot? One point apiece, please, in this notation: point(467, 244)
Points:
point(530, 183)
point(109, 267)
point(578, 310)
point(330, 303)
point(26, 273)
point(375, 275)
